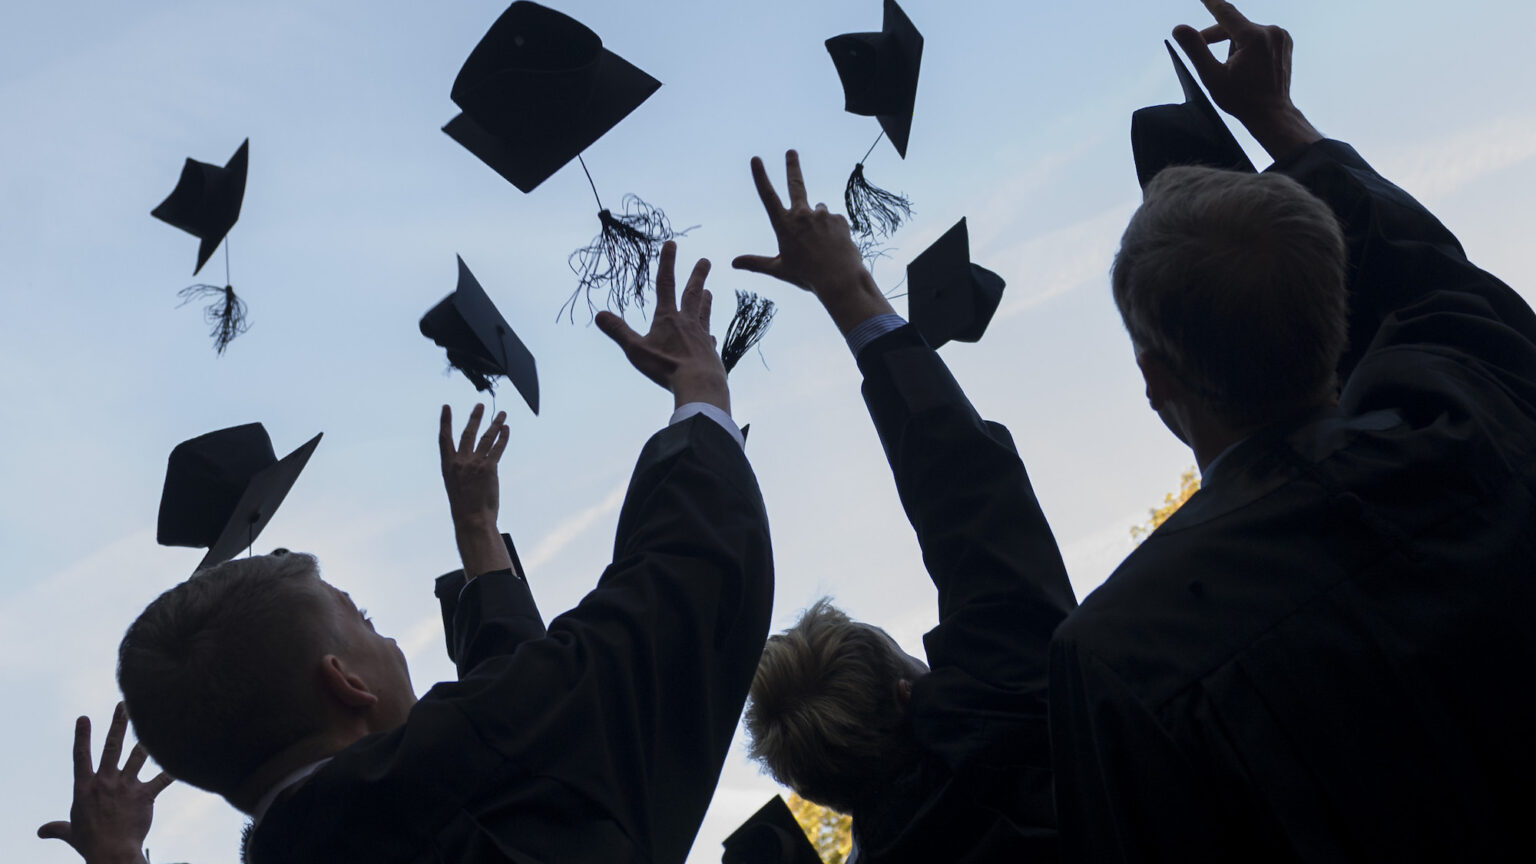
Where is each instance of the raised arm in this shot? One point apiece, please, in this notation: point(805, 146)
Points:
point(1399, 253)
point(985, 542)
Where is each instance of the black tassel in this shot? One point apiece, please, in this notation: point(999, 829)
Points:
point(480, 373)
point(619, 257)
point(747, 327)
point(226, 315)
point(871, 210)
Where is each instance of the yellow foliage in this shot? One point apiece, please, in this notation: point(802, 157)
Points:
point(829, 831)
point(1189, 484)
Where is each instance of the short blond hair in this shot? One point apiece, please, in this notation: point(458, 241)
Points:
point(822, 716)
point(1237, 283)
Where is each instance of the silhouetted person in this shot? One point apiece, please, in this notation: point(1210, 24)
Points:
point(600, 741)
point(1326, 653)
point(950, 764)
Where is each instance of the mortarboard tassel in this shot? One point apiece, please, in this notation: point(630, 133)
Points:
point(747, 327)
point(872, 211)
point(619, 257)
point(479, 373)
point(226, 315)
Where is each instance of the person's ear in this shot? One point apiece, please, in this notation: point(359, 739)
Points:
point(343, 685)
point(903, 694)
point(1160, 382)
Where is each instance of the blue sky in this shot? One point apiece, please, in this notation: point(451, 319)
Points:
point(357, 204)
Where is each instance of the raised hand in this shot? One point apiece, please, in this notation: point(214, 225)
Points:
point(474, 490)
point(816, 252)
point(1254, 83)
point(113, 809)
point(677, 352)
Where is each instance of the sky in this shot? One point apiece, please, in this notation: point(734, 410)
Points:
point(356, 205)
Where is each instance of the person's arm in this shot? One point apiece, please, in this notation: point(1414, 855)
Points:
point(500, 613)
point(1003, 588)
point(113, 808)
point(469, 476)
point(1399, 253)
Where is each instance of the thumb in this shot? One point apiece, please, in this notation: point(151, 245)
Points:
point(55, 831)
point(757, 264)
point(1205, 63)
point(616, 329)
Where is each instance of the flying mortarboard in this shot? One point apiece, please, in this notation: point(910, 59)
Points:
point(206, 204)
point(879, 75)
point(770, 836)
point(948, 297)
point(222, 488)
point(536, 91)
point(480, 342)
point(1191, 133)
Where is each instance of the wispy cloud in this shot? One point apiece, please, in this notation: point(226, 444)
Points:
point(1436, 169)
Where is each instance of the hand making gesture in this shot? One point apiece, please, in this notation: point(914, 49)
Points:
point(469, 475)
point(1254, 83)
point(816, 251)
point(677, 352)
point(112, 810)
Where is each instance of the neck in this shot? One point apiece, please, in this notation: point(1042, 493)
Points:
point(291, 759)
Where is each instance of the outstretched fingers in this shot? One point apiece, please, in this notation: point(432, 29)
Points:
point(445, 433)
point(112, 748)
point(1198, 50)
point(492, 432)
point(157, 785)
point(1226, 14)
point(794, 179)
point(666, 279)
point(467, 440)
point(693, 291)
point(82, 751)
point(136, 758)
point(617, 329)
point(766, 192)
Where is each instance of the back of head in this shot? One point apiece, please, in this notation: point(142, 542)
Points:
point(823, 716)
point(1236, 282)
point(218, 672)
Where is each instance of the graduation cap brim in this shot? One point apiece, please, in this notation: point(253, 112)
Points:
point(258, 504)
point(228, 194)
point(470, 307)
point(770, 836)
point(528, 160)
point(1191, 133)
point(897, 31)
point(948, 297)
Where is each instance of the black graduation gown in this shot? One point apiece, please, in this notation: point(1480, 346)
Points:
point(984, 791)
point(1327, 653)
point(503, 618)
point(601, 741)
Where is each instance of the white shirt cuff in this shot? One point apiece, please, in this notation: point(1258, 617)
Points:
point(871, 329)
point(712, 412)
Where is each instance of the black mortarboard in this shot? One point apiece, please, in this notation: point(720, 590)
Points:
point(480, 342)
point(770, 836)
point(948, 297)
point(539, 89)
point(879, 74)
point(536, 91)
point(222, 488)
point(1191, 133)
point(206, 201)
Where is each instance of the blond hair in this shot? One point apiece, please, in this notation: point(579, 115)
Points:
point(822, 716)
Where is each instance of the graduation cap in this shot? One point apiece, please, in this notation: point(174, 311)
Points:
point(206, 204)
point(748, 326)
point(770, 836)
point(879, 75)
point(1191, 133)
point(222, 488)
point(480, 342)
point(948, 297)
point(536, 91)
